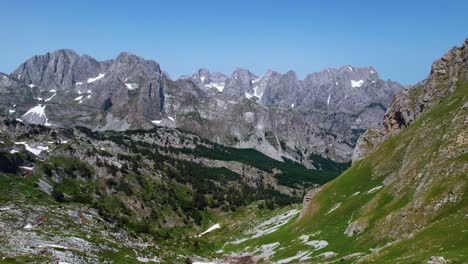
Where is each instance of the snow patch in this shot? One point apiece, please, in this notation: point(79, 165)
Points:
point(328, 100)
point(144, 259)
point(37, 112)
point(131, 86)
point(100, 76)
point(354, 194)
point(202, 78)
point(327, 254)
point(28, 226)
point(31, 85)
point(350, 68)
point(269, 226)
point(11, 111)
point(79, 83)
point(356, 84)
point(267, 250)
point(34, 150)
point(375, 189)
point(317, 244)
point(248, 95)
point(156, 122)
point(50, 98)
point(292, 105)
point(299, 255)
point(53, 91)
point(26, 168)
point(217, 86)
point(79, 98)
point(171, 118)
point(211, 229)
point(334, 208)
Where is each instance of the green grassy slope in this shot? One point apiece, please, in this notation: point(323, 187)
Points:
point(405, 202)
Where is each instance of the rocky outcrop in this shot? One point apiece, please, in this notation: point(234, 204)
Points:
point(306, 201)
point(408, 104)
point(411, 102)
point(367, 142)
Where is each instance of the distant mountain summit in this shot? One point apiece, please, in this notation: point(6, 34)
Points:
point(277, 113)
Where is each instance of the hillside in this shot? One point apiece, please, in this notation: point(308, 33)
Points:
point(405, 202)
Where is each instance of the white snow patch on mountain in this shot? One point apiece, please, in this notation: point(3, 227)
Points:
point(257, 92)
point(299, 255)
point(34, 150)
point(267, 250)
point(202, 78)
point(356, 84)
point(248, 95)
point(131, 86)
point(11, 111)
point(156, 122)
point(50, 98)
point(317, 244)
point(100, 76)
point(26, 168)
point(88, 92)
point(328, 100)
point(350, 68)
point(171, 118)
point(354, 194)
point(211, 229)
point(375, 189)
point(37, 115)
point(334, 208)
point(79, 98)
point(80, 83)
point(31, 85)
point(269, 226)
point(53, 91)
point(327, 254)
point(145, 259)
point(217, 86)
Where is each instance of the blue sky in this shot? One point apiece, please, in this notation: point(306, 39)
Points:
point(399, 38)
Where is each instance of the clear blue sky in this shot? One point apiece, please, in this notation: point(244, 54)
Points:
point(399, 38)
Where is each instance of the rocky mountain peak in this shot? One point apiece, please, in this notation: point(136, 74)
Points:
point(57, 70)
point(128, 65)
point(445, 73)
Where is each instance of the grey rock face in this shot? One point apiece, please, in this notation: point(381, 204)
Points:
point(58, 70)
point(277, 113)
point(408, 104)
point(411, 102)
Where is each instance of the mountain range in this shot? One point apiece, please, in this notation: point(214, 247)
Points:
point(115, 162)
point(277, 114)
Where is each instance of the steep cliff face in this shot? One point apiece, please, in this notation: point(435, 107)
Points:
point(447, 73)
point(278, 114)
point(410, 103)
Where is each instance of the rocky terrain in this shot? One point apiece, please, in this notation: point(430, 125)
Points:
point(402, 201)
point(277, 114)
point(109, 162)
point(408, 104)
